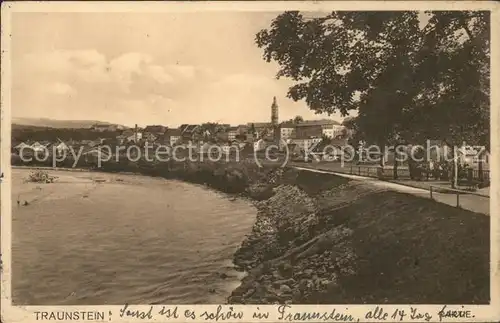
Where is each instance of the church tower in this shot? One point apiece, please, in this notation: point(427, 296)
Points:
point(274, 113)
point(275, 119)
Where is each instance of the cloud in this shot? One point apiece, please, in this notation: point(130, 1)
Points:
point(184, 71)
point(61, 88)
point(129, 81)
point(147, 68)
point(85, 84)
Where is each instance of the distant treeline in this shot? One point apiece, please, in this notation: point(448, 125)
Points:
point(24, 134)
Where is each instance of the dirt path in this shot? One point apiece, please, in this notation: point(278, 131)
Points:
point(469, 202)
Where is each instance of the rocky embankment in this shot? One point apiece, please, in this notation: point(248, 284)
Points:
point(289, 254)
point(324, 239)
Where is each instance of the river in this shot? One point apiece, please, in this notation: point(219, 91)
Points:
point(94, 238)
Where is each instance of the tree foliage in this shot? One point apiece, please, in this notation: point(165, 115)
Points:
point(298, 119)
point(32, 133)
point(410, 75)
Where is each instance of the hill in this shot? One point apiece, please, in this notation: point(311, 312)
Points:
point(52, 123)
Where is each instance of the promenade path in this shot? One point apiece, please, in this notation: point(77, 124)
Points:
point(475, 203)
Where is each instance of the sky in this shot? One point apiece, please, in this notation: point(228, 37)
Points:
point(146, 68)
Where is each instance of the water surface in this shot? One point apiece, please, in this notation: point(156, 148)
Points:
point(93, 238)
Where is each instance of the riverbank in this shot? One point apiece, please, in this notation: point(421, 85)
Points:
point(321, 238)
point(231, 177)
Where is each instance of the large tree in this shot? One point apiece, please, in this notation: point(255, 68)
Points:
point(411, 75)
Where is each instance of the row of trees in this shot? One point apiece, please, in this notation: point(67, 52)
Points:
point(29, 134)
point(411, 76)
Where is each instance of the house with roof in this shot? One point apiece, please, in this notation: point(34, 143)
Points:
point(95, 154)
point(96, 142)
point(318, 128)
point(189, 132)
point(39, 147)
point(155, 129)
point(135, 137)
point(150, 137)
point(153, 133)
point(242, 129)
point(472, 156)
point(171, 137)
point(305, 142)
point(232, 133)
point(61, 148)
point(222, 136)
point(129, 135)
point(21, 147)
point(261, 129)
point(259, 145)
point(287, 130)
point(121, 139)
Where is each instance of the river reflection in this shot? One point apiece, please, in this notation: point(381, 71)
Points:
point(94, 238)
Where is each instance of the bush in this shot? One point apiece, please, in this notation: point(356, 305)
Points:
point(41, 176)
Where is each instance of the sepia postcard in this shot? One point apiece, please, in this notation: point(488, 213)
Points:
point(224, 161)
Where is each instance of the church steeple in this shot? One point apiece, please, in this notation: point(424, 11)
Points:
point(275, 119)
point(274, 113)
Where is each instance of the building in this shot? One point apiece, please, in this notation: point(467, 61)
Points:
point(287, 130)
point(337, 131)
point(96, 143)
point(319, 128)
point(61, 148)
point(242, 129)
point(95, 154)
point(259, 145)
point(259, 128)
point(21, 147)
point(304, 131)
point(130, 135)
point(150, 137)
point(152, 133)
point(156, 129)
point(134, 137)
point(121, 139)
point(472, 156)
point(249, 138)
point(305, 143)
point(38, 147)
point(222, 136)
point(171, 137)
point(232, 133)
point(189, 132)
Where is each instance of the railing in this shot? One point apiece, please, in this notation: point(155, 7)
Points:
point(373, 171)
point(404, 173)
point(481, 175)
point(363, 171)
point(433, 190)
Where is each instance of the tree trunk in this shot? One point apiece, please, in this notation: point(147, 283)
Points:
point(382, 157)
point(395, 169)
point(454, 182)
point(480, 169)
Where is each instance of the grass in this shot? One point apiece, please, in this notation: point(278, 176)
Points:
point(314, 183)
point(414, 250)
